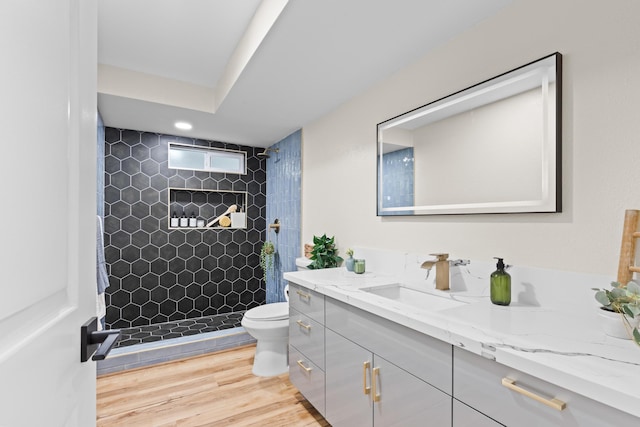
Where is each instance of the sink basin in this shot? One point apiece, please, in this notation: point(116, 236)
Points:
point(414, 297)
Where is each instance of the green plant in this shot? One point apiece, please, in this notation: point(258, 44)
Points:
point(349, 252)
point(324, 253)
point(267, 253)
point(623, 299)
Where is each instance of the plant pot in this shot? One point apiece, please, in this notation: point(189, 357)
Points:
point(614, 326)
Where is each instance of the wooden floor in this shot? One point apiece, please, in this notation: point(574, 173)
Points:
point(212, 390)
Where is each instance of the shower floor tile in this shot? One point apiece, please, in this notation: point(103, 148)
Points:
point(178, 328)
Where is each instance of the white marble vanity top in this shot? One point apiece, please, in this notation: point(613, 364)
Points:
point(562, 344)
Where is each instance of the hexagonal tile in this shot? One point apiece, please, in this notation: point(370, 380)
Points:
point(120, 268)
point(150, 195)
point(140, 181)
point(159, 239)
point(193, 263)
point(120, 209)
point(150, 253)
point(140, 267)
point(150, 309)
point(130, 283)
point(185, 305)
point(150, 281)
point(140, 296)
point(120, 150)
point(159, 266)
point(168, 279)
point(130, 253)
point(150, 224)
point(130, 166)
point(131, 224)
point(159, 294)
point(140, 152)
point(185, 251)
point(176, 265)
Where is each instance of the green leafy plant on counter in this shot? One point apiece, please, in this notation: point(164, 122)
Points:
point(324, 253)
point(267, 254)
point(623, 299)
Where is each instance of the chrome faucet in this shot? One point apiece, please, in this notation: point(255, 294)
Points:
point(442, 270)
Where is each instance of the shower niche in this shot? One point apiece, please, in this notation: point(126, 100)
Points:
point(197, 209)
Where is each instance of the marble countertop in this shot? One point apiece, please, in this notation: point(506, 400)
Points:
point(563, 347)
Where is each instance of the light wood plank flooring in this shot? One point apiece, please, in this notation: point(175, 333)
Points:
point(217, 389)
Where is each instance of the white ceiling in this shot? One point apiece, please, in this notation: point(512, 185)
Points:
point(251, 71)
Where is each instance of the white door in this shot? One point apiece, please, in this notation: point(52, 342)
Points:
point(47, 210)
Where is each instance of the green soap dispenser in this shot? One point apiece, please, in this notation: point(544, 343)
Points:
point(500, 285)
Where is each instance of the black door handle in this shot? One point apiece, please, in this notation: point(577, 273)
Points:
point(94, 341)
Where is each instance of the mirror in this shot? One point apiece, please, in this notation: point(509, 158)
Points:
point(494, 147)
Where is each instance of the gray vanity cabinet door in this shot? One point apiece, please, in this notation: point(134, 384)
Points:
point(405, 400)
point(346, 404)
point(464, 416)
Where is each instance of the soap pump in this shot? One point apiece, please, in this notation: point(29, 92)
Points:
point(500, 285)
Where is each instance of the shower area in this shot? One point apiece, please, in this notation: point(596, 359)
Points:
point(188, 287)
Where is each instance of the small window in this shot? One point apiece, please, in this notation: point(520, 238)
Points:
point(207, 159)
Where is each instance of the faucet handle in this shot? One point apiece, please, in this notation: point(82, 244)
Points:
point(441, 257)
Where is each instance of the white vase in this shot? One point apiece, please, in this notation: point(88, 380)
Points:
point(614, 326)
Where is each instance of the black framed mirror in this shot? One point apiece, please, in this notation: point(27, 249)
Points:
point(494, 147)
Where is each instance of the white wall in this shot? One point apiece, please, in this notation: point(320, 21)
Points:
point(601, 141)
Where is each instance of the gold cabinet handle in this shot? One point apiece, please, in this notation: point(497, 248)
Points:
point(303, 294)
point(306, 369)
point(374, 383)
point(554, 403)
point(302, 325)
point(365, 369)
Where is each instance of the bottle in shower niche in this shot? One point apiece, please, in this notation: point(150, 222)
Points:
point(175, 221)
point(500, 285)
point(192, 220)
point(184, 221)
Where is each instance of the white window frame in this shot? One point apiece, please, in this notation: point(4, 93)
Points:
point(210, 154)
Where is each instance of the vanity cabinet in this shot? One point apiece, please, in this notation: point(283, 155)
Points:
point(379, 373)
point(307, 344)
point(364, 389)
point(517, 399)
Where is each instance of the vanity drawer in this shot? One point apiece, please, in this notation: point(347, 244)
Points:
point(421, 355)
point(478, 382)
point(307, 302)
point(307, 378)
point(307, 336)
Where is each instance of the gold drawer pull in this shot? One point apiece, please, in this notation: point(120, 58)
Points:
point(365, 369)
point(307, 370)
point(374, 383)
point(302, 325)
point(303, 294)
point(554, 403)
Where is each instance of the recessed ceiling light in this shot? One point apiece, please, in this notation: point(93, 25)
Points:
point(183, 125)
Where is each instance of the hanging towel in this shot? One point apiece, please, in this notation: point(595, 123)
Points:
point(102, 276)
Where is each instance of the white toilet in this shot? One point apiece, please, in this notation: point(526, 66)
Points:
point(269, 325)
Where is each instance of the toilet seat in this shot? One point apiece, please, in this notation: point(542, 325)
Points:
point(269, 312)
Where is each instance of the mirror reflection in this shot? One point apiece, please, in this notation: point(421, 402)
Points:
point(491, 148)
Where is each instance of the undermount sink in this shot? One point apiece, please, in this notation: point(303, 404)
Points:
point(414, 297)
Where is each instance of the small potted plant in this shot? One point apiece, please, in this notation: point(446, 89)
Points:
point(267, 253)
point(349, 261)
point(623, 301)
point(324, 253)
